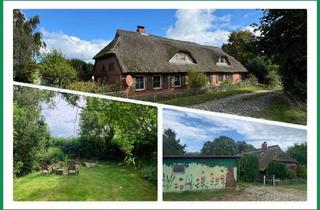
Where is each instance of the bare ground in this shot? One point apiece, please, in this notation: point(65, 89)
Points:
point(268, 193)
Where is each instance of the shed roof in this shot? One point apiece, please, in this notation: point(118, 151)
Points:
point(144, 53)
point(272, 153)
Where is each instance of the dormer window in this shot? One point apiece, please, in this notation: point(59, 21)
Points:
point(181, 58)
point(223, 60)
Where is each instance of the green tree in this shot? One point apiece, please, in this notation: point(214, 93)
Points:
point(284, 40)
point(31, 136)
point(280, 170)
point(244, 147)
point(133, 127)
point(299, 152)
point(84, 70)
point(56, 70)
point(196, 79)
point(248, 168)
point(172, 145)
point(241, 45)
point(26, 46)
point(222, 145)
point(302, 171)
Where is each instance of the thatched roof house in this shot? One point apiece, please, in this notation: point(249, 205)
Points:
point(267, 154)
point(144, 55)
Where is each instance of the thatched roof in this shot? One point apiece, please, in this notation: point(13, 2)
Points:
point(137, 52)
point(272, 153)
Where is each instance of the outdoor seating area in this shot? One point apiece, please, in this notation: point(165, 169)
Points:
point(60, 168)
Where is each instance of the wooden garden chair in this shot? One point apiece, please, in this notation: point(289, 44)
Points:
point(44, 167)
point(73, 167)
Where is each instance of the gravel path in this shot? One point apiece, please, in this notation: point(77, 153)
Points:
point(247, 104)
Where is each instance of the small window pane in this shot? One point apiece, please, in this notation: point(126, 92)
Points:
point(178, 168)
point(139, 82)
point(156, 81)
point(177, 81)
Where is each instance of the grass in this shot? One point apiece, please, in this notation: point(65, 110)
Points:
point(107, 181)
point(284, 109)
point(296, 186)
point(211, 95)
point(217, 195)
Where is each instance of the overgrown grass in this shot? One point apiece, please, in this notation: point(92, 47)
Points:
point(217, 195)
point(211, 95)
point(284, 109)
point(107, 181)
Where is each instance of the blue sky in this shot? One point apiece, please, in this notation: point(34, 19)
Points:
point(195, 129)
point(82, 33)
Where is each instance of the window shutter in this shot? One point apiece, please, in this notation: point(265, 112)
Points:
point(164, 81)
point(149, 83)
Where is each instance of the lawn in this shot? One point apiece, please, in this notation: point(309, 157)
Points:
point(244, 192)
point(106, 181)
point(211, 95)
point(284, 109)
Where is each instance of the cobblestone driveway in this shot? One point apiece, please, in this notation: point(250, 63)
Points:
point(248, 104)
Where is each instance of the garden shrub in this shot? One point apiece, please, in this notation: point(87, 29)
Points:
point(196, 79)
point(150, 173)
point(55, 154)
point(302, 171)
point(248, 168)
point(89, 86)
point(280, 170)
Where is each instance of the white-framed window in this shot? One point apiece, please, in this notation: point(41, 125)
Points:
point(156, 82)
point(229, 76)
point(178, 168)
point(177, 81)
point(140, 83)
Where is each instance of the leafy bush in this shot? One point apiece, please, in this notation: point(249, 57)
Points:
point(89, 86)
point(150, 173)
point(280, 170)
point(55, 154)
point(248, 168)
point(302, 171)
point(227, 82)
point(196, 79)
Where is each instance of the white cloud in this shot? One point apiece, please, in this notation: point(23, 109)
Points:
point(62, 119)
point(200, 26)
point(72, 46)
point(194, 129)
point(252, 30)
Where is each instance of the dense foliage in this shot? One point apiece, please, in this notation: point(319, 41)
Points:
point(171, 144)
point(284, 40)
point(56, 70)
point(88, 86)
point(248, 168)
point(224, 145)
point(279, 170)
point(299, 152)
point(26, 46)
point(242, 45)
point(302, 171)
point(196, 79)
point(31, 135)
point(84, 70)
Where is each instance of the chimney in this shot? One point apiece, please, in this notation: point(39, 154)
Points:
point(141, 29)
point(264, 146)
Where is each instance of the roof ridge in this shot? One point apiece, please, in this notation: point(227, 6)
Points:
point(169, 39)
